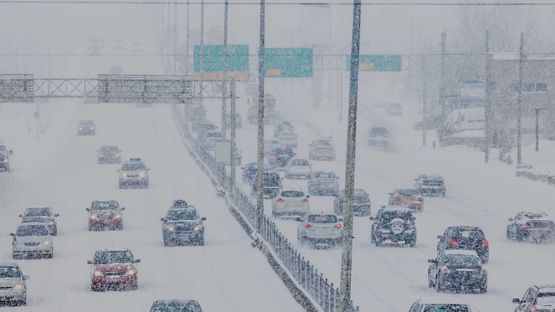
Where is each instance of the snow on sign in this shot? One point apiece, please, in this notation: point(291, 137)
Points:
point(377, 63)
point(213, 67)
point(288, 62)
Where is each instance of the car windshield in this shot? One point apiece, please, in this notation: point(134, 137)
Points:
point(9, 272)
point(32, 230)
point(213, 135)
point(108, 149)
point(299, 162)
point(107, 257)
point(322, 143)
point(446, 308)
point(379, 132)
point(407, 191)
point(175, 307)
point(133, 166)
point(292, 194)
point(360, 193)
point(326, 175)
point(433, 180)
point(37, 212)
point(532, 215)
point(463, 260)
point(105, 205)
point(271, 179)
point(322, 219)
point(387, 216)
point(546, 298)
point(182, 214)
point(179, 203)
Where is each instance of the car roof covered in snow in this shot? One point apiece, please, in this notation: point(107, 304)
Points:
point(397, 209)
point(462, 252)
point(546, 287)
point(176, 301)
point(9, 264)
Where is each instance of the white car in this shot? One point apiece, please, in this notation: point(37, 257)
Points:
point(13, 288)
point(32, 239)
point(322, 149)
point(133, 173)
point(291, 203)
point(298, 168)
point(287, 138)
point(41, 215)
point(320, 229)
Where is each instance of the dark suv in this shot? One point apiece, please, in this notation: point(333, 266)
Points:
point(272, 184)
point(457, 270)
point(393, 225)
point(465, 238)
point(430, 185)
point(5, 158)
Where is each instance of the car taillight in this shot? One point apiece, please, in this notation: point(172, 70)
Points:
point(338, 226)
point(526, 225)
point(279, 200)
point(304, 200)
point(307, 225)
point(445, 269)
point(485, 243)
point(453, 243)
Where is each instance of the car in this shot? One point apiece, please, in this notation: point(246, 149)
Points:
point(407, 196)
point(175, 305)
point(272, 185)
point(41, 215)
point(457, 270)
point(321, 149)
point(466, 238)
point(183, 226)
point(114, 269)
point(280, 157)
point(361, 203)
point(323, 183)
point(209, 138)
point(86, 127)
point(320, 230)
point(5, 158)
point(108, 154)
point(430, 185)
point(536, 298)
point(394, 109)
point(393, 225)
point(133, 172)
point(13, 286)
point(298, 168)
point(431, 306)
point(531, 226)
point(105, 214)
point(291, 203)
point(287, 138)
point(379, 137)
point(249, 172)
point(32, 240)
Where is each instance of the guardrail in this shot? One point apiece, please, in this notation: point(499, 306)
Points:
point(300, 270)
point(527, 171)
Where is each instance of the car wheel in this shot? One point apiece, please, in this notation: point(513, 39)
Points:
point(430, 283)
point(55, 232)
point(509, 235)
point(50, 255)
point(134, 287)
point(483, 289)
point(166, 242)
point(438, 285)
point(22, 303)
point(200, 241)
point(412, 243)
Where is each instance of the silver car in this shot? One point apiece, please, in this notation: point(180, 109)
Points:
point(291, 203)
point(298, 168)
point(32, 240)
point(133, 173)
point(323, 183)
point(379, 137)
point(13, 288)
point(42, 215)
point(322, 149)
point(320, 230)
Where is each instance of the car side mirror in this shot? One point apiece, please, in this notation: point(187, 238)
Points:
point(307, 196)
point(372, 218)
point(431, 261)
point(516, 300)
point(163, 219)
point(12, 234)
point(340, 219)
point(439, 237)
point(25, 277)
point(299, 219)
point(122, 208)
point(90, 262)
point(137, 261)
point(510, 219)
point(11, 151)
point(87, 209)
point(390, 194)
point(203, 219)
point(56, 215)
point(20, 216)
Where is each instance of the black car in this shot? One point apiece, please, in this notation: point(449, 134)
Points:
point(249, 172)
point(280, 156)
point(5, 158)
point(183, 227)
point(531, 226)
point(464, 238)
point(457, 270)
point(175, 305)
point(86, 127)
point(394, 225)
point(361, 203)
point(430, 185)
point(272, 184)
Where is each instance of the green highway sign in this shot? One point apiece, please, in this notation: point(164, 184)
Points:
point(213, 67)
point(378, 63)
point(288, 62)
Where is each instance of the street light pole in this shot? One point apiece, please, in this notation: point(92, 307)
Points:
point(224, 113)
point(487, 110)
point(537, 129)
point(260, 156)
point(201, 69)
point(347, 252)
point(519, 103)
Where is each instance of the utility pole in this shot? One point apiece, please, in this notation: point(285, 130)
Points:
point(347, 252)
point(224, 112)
point(487, 109)
point(537, 129)
point(442, 82)
point(175, 38)
point(201, 69)
point(260, 156)
point(425, 106)
point(519, 103)
point(187, 44)
point(232, 134)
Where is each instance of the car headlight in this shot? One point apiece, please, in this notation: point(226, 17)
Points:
point(93, 217)
point(98, 273)
point(19, 287)
point(46, 243)
point(50, 222)
point(142, 174)
point(118, 216)
point(131, 272)
point(124, 175)
point(199, 227)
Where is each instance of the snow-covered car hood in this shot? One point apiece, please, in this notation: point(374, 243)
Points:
point(9, 282)
point(33, 239)
point(115, 267)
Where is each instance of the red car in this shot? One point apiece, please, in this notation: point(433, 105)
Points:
point(407, 197)
point(105, 214)
point(114, 270)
